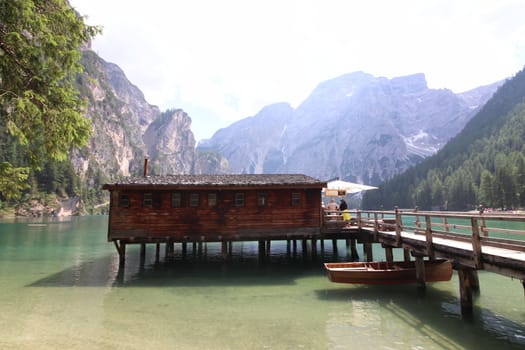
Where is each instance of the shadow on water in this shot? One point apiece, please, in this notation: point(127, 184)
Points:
point(193, 271)
point(436, 314)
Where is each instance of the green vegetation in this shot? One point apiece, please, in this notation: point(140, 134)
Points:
point(41, 112)
point(484, 164)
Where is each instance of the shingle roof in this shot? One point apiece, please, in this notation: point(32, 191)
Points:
point(231, 180)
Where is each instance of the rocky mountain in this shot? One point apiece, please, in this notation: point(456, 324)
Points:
point(127, 129)
point(357, 127)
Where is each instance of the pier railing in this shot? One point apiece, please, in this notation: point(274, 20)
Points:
point(490, 227)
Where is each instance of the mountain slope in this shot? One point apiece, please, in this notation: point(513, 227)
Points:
point(485, 163)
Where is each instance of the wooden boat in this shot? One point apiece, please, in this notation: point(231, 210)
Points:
point(382, 272)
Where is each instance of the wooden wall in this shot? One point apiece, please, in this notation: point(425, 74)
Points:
point(279, 218)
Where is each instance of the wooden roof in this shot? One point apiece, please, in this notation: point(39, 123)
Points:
point(237, 181)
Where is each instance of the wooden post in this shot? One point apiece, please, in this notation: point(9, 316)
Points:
point(428, 235)
point(399, 225)
point(389, 255)
point(368, 251)
point(334, 245)
point(121, 250)
point(406, 254)
point(353, 250)
point(465, 289)
point(184, 249)
point(294, 244)
point(230, 248)
point(262, 252)
point(304, 246)
point(476, 244)
point(420, 272)
point(314, 247)
point(288, 247)
point(268, 247)
point(224, 249)
point(157, 252)
point(445, 224)
point(142, 254)
point(359, 222)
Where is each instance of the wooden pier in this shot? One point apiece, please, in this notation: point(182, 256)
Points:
point(494, 242)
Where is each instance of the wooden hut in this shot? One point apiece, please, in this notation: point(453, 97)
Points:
point(211, 208)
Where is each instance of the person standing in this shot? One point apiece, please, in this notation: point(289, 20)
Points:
point(343, 205)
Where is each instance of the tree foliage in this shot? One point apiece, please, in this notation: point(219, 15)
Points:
point(484, 164)
point(40, 43)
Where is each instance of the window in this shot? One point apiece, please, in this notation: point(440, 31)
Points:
point(194, 200)
point(147, 200)
point(212, 199)
point(261, 199)
point(176, 200)
point(239, 199)
point(124, 200)
point(296, 198)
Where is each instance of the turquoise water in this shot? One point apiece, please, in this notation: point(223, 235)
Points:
point(61, 287)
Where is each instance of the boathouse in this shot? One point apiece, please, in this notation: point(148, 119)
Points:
point(214, 208)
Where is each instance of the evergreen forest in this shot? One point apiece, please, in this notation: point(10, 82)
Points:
point(484, 165)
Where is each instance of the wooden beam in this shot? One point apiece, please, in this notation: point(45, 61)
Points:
point(420, 272)
point(465, 290)
point(368, 251)
point(389, 254)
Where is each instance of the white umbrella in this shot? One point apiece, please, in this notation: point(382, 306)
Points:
point(349, 187)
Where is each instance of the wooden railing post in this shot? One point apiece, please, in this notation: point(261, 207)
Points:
point(476, 244)
point(359, 222)
point(399, 225)
point(428, 235)
point(376, 226)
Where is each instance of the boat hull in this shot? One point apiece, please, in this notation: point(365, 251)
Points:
point(387, 273)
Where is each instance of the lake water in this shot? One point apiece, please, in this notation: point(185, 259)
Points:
point(61, 287)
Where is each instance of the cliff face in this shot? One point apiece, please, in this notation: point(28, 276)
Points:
point(357, 127)
point(170, 144)
point(126, 129)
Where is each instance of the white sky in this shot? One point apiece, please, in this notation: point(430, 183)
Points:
point(224, 60)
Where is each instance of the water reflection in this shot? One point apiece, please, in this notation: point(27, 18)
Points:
point(435, 315)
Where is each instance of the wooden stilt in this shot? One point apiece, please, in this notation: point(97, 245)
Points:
point(224, 249)
point(368, 251)
point(142, 254)
point(157, 252)
point(474, 280)
point(230, 248)
point(294, 246)
point(353, 250)
point(121, 250)
point(288, 247)
point(314, 247)
point(389, 254)
point(262, 252)
point(268, 247)
point(406, 254)
point(420, 272)
point(322, 245)
point(184, 249)
point(170, 250)
point(334, 245)
point(305, 246)
point(465, 290)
